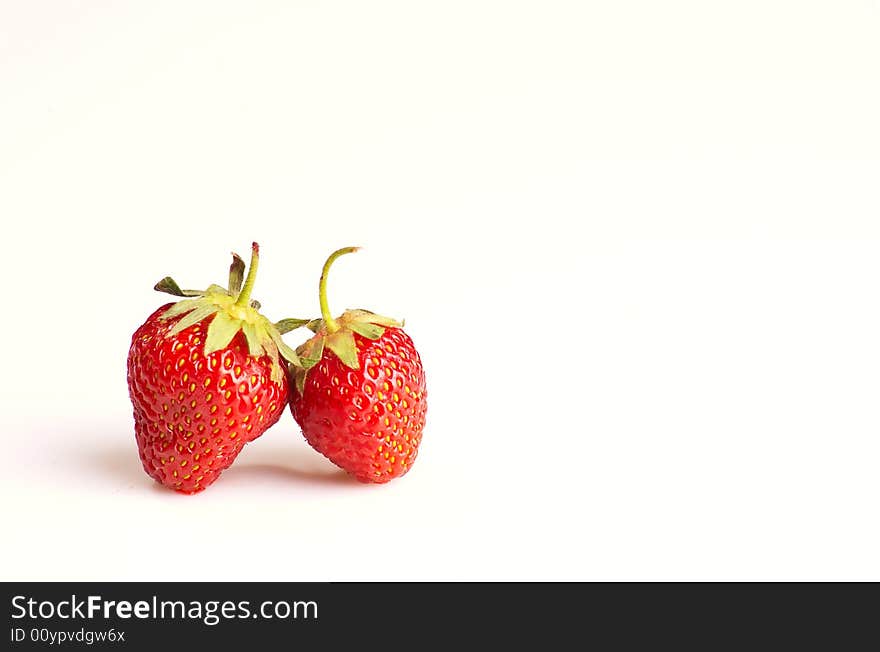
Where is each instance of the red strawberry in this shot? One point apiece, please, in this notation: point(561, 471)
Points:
point(204, 378)
point(360, 395)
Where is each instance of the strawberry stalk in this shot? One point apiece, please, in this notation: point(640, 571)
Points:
point(244, 296)
point(330, 323)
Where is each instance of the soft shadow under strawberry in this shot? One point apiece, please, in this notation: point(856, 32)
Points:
point(261, 472)
point(120, 467)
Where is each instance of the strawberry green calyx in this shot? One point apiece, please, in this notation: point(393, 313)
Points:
point(338, 334)
point(233, 310)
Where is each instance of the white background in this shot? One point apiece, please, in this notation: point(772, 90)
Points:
point(635, 242)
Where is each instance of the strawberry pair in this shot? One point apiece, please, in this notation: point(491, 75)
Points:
point(210, 373)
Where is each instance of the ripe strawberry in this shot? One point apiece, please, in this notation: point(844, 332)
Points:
point(360, 395)
point(204, 378)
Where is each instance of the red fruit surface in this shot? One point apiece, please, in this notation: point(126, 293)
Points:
point(194, 413)
point(369, 420)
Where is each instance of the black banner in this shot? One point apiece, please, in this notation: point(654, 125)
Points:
point(404, 615)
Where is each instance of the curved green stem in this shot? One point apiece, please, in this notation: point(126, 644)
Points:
point(245, 296)
point(330, 323)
